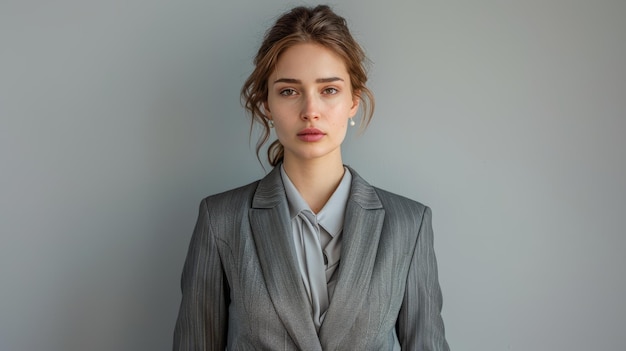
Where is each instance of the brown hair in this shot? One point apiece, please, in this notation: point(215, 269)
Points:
point(318, 25)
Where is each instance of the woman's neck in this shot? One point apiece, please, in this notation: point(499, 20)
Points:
point(316, 180)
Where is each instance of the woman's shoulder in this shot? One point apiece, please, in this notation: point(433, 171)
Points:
point(403, 212)
point(231, 199)
point(397, 207)
point(389, 200)
point(392, 201)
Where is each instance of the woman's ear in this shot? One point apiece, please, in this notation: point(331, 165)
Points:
point(266, 107)
point(356, 100)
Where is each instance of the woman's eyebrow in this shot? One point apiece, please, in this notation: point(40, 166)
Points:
point(298, 81)
point(328, 80)
point(288, 80)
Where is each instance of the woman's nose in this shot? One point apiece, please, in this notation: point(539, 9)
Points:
point(310, 108)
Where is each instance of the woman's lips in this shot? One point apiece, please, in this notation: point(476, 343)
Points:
point(310, 134)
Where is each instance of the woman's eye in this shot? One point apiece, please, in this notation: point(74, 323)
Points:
point(331, 91)
point(287, 92)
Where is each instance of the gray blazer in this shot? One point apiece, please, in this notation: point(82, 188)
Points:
point(242, 289)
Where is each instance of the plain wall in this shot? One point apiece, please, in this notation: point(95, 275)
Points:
point(507, 118)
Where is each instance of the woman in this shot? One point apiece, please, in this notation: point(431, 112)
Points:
point(311, 257)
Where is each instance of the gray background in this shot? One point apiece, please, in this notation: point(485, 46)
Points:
point(507, 118)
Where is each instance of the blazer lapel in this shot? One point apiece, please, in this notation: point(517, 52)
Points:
point(361, 232)
point(271, 228)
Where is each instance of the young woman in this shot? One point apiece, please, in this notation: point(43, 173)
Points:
point(311, 257)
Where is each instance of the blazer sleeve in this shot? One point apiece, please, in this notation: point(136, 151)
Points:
point(420, 326)
point(203, 315)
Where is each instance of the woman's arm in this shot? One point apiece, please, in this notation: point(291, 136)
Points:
point(203, 315)
point(420, 326)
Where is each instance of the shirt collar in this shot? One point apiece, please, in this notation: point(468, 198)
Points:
point(331, 216)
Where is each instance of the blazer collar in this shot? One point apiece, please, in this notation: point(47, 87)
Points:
point(271, 227)
point(271, 193)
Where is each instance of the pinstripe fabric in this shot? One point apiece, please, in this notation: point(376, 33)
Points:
point(242, 288)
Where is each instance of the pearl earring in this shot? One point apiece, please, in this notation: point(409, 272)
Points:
point(271, 123)
point(352, 122)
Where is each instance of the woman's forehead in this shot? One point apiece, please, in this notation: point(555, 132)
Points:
point(309, 61)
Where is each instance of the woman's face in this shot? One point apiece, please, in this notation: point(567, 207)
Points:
point(310, 101)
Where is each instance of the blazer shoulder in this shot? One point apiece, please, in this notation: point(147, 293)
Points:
point(394, 203)
point(231, 200)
